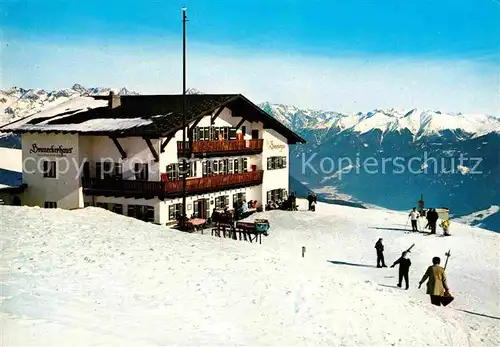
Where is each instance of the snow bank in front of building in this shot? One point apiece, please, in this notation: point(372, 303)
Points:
point(93, 277)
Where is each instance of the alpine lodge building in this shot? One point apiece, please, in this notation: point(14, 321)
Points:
point(125, 153)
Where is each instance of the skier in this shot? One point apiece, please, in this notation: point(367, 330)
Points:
point(414, 217)
point(432, 217)
point(310, 199)
point(380, 253)
point(404, 267)
point(436, 284)
point(313, 206)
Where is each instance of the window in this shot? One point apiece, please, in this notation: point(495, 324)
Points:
point(255, 134)
point(50, 204)
point(222, 201)
point(112, 170)
point(174, 211)
point(131, 210)
point(117, 208)
point(245, 165)
point(174, 171)
point(49, 169)
point(232, 134)
point(276, 194)
point(236, 165)
point(244, 130)
point(141, 172)
point(238, 196)
point(223, 166)
point(276, 163)
point(145, 213)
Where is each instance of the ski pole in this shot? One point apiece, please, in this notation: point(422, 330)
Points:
point(447, 254)
point(406, 226)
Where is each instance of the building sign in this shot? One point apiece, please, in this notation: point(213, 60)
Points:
point(275, 146)
point(52, 150)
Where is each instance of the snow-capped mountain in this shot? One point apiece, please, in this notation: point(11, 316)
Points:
point(418, 122)
point(428, 143)
point(19, 102)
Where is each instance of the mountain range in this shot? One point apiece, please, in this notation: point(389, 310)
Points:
point(428, 143)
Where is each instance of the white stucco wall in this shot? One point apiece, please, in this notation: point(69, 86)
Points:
point(65, 188)
point(274, 145)
point(99, 148)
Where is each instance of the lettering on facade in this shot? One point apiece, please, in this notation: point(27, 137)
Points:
point(52, 150)
point(275, 146)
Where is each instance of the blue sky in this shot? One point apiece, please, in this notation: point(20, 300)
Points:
point(339, 55)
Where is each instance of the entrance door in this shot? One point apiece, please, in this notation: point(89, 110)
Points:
point(201, 208)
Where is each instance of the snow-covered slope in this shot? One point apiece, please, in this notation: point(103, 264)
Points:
point(417, 121)
point(91, 277)
point(478, 216)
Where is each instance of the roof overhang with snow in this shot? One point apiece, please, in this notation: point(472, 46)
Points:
point(150, 116)
point(13, 189)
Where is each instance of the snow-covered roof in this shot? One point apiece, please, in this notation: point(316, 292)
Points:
point(70, 107)
point(99, 124)
point(141, 115)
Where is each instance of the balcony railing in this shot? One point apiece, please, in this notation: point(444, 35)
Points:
point(171, 189)
point(221, 147)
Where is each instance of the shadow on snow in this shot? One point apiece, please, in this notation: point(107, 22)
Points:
point(335, 262)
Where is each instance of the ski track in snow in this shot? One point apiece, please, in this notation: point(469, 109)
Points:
point(93, 277)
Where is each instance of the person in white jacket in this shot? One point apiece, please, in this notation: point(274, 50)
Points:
point(414, 218)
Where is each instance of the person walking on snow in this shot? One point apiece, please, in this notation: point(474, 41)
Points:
point(437, 286)
point(414, 218)
point(404, 268)
point(380, 253)
point(432, 217)
point(310, 199)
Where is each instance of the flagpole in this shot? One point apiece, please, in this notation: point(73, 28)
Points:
point(183, 171)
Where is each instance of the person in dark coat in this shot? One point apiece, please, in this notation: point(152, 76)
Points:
point(432, 217)
point(310, 199)
point(380, 253)
point(404, 268)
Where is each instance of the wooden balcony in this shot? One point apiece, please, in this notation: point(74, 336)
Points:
point(220, 148)
point(170, 189)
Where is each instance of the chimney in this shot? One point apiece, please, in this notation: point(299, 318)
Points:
point(113, 100)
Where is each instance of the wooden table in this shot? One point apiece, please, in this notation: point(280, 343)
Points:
point(196, 223)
